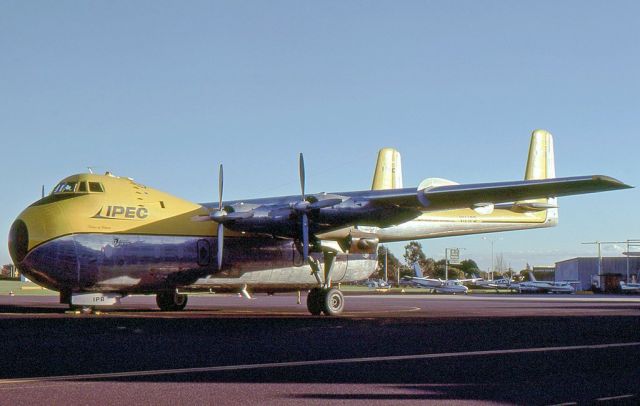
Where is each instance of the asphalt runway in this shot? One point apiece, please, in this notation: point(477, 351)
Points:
point(385, 349)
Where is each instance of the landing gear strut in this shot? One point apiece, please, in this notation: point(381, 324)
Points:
point(324, 299)
point(171, 301)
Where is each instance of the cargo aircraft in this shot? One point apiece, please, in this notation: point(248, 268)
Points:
point(97, 238)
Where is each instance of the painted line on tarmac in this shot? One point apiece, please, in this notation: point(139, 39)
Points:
point(610, 398)
point(313, 363)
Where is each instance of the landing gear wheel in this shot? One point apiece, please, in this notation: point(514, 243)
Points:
point(333, 302)
point(171, 301)
point(314, 301)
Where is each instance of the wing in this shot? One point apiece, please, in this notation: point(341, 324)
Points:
point(281, 216)
point(468, 196)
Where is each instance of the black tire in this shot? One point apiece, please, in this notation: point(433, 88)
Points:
point(314, 301)
point(333, 302)
point(171, 301)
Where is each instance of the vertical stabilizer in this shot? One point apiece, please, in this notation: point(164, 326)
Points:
point(541, 165)
point(388, 173)
point(417, 270)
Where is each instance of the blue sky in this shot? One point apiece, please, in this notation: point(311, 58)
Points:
point(165, 91)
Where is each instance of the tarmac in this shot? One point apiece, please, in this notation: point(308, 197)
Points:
point(385, 349)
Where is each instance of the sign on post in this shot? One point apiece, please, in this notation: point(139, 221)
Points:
point(454, 256)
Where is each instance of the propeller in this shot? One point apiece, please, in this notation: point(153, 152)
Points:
point(303, 206)
point(219, 216)
point(223, 215)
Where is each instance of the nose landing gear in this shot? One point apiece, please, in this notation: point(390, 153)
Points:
point(171, 301)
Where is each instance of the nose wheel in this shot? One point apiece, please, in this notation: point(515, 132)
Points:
point(171, 301)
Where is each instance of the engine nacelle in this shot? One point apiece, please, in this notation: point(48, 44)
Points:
point(362, 245)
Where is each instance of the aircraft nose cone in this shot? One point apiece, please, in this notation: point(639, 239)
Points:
point(18, 241)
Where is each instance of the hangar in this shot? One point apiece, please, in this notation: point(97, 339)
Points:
point(607, 271)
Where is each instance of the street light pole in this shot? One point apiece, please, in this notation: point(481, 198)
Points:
point(386, 263)
point(492, 240)
point(446, 268)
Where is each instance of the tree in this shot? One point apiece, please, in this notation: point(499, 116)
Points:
point(453, 272)
point(469, 268)
point(413, 254)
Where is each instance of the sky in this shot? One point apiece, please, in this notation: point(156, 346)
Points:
point(165, 91)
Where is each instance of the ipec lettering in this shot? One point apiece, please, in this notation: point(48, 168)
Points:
point(123, 212)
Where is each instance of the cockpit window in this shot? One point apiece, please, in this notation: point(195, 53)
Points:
point(65, 187)
point(95, 187)
point(79, 187)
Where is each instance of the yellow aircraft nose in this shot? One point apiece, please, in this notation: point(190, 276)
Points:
point(35, 246)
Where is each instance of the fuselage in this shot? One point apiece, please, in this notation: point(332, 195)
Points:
point(104, 233)
point(449, 223)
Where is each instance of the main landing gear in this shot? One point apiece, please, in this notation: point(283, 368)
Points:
point(327, 301)
point(324, 299)
point(171, 301)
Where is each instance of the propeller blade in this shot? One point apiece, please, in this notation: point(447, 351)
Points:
point(305, 236)
point(220, 245)
point(220, 184)
point(301, 164)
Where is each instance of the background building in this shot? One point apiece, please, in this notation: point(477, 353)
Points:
point(613, 270)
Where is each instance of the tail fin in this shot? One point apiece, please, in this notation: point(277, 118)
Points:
point(541, 165)
point(532, 277)
point(417, 270)
point(388, 173)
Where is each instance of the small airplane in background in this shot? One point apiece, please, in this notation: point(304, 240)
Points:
point(497, 284)
point(535, 286)
point(629, 287)
point(377, 284)
point(438, 285)
point(99, 238)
